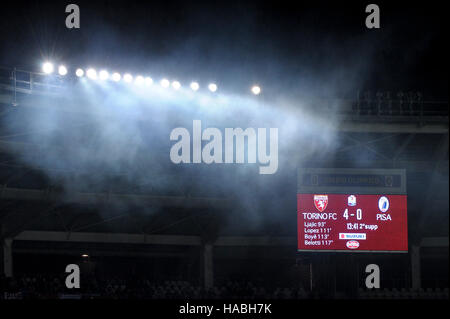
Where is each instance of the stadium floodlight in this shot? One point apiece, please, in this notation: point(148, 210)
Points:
point(115, 77)
point(256, 90)
point(104, 75)
point(79, 73)
point(92, 74)
point(176, 85)
point(47, 67)
point(139, 80)
point(148, 81)
point(127, 78)
point(165, 83)
point(194, 86)
point(62, 70)
point(212, 87)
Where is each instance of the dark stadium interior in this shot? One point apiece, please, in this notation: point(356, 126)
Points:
point(84, 182)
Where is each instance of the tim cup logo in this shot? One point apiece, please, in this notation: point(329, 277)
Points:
point(321, 202)
point(351, 200)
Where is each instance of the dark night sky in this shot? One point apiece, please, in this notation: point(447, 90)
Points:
point(279, 44)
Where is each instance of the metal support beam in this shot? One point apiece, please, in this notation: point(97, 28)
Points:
point(415, 267)
point(121, 238)
point(111, 238)
point(208, 272)
point(377, 127)
point(104, 198)
point(7, 257)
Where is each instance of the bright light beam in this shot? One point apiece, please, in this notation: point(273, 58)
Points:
point(104, 75)
point(212, 87)
point(256, 90)
point(165, 83)
point(127, 78)
point(92, 74)
point(47, 67)
point(79, 73)
point(148, 81)
point(62, 70)
point(176, 85)
point(194, 86)
point(115, 77)
point(139, 80)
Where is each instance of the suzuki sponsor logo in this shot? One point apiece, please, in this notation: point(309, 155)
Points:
point(359, 236)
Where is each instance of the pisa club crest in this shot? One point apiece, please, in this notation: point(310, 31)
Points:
point(321, 202)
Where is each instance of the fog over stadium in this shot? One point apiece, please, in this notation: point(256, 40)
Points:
point(87, 116)
point(123, 130)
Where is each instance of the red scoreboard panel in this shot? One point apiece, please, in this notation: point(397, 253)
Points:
point(352, 210)
point(347, 222)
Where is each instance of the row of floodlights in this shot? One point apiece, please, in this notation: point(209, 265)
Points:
point(103, 75)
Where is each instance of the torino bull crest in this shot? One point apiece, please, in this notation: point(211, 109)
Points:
point(321, 202)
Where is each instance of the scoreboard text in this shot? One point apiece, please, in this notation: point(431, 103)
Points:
point(352, 222)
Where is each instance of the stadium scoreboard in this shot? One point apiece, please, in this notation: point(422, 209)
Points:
point(352, 210)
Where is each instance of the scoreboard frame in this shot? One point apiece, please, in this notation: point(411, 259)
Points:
point(355, 181)
point(368, 181)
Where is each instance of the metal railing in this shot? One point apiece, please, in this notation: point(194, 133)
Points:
point(20, 81)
